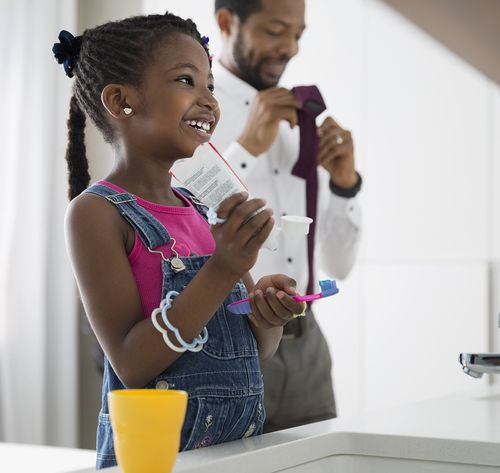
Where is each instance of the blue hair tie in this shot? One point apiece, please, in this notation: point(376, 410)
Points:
point(67, 50)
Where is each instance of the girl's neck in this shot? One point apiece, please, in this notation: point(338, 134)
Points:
point(152, 183)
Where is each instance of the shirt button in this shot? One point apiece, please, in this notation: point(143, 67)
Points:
point(243, 165)
point(289, 259)
point(283, 214)
point(162, 385)
point(276, 171)
point(247, 102)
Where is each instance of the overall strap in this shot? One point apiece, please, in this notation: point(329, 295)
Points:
point(150, 230)
point(199, 206)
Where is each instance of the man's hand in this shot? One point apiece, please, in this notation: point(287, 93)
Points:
point(269, 107)
point(336, 153)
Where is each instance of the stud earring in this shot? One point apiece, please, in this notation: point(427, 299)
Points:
point(127, 110)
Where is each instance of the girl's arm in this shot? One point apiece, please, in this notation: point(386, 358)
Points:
point(272, 307)
point(97, 242)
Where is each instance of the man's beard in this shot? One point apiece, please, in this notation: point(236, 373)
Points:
point(250, 74)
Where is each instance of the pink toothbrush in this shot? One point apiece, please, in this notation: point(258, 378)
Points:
point(328, 288)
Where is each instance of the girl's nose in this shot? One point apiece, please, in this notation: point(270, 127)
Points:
point(209, 101)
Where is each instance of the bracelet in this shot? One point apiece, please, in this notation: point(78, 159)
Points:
point(164, 306)
point(198, 341)
point(164, 333)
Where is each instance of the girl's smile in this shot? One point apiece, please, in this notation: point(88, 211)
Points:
point(202, 125)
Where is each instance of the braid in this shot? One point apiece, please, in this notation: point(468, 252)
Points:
point(78, 166)
point(115, 52)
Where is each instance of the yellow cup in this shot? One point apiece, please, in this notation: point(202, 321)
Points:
point(147, 427)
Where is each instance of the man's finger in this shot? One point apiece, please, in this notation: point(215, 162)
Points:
point(328, 122)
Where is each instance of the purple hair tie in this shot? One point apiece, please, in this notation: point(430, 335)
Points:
point(205, 40)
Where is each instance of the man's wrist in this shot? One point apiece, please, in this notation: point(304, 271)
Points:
point(348, 192)
point(249, 147)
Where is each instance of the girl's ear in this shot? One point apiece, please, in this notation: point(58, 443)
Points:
point(118, 100)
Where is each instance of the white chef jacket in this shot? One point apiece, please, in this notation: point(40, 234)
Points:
point(269, 176)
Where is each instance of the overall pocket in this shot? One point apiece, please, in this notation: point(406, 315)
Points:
point(211, 420)
point(204, 422)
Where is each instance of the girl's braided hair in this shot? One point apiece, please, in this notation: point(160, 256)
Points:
point(115, 52)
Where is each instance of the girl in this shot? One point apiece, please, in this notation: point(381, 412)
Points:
point(136, 243)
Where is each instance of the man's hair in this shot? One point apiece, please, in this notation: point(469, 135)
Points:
point(241, 8)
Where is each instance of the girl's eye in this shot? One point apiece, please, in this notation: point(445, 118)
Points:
point(211, 88)
point(186, 80)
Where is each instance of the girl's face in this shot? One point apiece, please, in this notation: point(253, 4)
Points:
point(178, 110)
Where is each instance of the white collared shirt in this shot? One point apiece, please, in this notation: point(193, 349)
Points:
point(268, 176)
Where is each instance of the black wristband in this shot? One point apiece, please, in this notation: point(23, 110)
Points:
point(351, 191)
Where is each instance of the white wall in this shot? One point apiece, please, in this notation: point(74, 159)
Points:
point(426, 128)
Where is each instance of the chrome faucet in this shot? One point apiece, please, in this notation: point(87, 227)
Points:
point(476, 364)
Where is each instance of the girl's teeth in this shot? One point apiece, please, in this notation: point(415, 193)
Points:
point(202, 126)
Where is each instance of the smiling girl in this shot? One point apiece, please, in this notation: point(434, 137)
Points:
point(153, 276)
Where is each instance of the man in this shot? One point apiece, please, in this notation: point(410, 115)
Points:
point(258, 135)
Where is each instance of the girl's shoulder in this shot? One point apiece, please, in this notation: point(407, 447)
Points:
point(90, 214)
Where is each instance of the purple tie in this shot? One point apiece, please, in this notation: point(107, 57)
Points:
point(311, 105)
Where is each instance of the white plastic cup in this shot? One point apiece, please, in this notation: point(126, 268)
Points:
point(291, 226)
point(295, 225)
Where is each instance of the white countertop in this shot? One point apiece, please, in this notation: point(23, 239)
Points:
point(463, 428)
point(461, 432)
point(22, 458)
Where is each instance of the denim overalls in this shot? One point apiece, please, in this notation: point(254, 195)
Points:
point(224, 379)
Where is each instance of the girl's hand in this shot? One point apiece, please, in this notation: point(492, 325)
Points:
point(240, 237)
point(271, 301)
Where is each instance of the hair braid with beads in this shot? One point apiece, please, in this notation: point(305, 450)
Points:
point(115, 52)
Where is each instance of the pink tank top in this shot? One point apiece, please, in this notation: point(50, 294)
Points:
point(193, 237)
